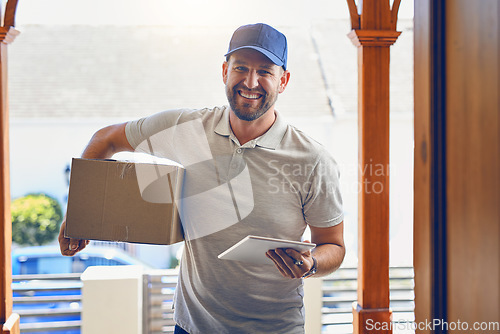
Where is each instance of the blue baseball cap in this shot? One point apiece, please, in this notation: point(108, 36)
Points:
point(263, 38)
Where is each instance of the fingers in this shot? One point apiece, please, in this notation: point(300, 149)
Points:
point(288, 262)
point(69, 246)
point(276, 263)
point(283, 268)
point(74, 244)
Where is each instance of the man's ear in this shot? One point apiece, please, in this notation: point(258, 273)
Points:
point(225, 67)
point(285, 77)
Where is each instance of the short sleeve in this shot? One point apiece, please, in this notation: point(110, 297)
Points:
point(323, 204)
point(138, 131)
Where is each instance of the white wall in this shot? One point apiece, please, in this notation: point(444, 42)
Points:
point(40, 149)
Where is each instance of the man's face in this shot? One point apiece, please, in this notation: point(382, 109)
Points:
point(253, 83)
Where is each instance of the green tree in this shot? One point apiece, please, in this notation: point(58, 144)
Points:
point(36, 219)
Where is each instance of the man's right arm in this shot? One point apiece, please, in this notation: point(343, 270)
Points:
point(104, 143)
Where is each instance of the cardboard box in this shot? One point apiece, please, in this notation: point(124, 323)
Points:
point(123, 201)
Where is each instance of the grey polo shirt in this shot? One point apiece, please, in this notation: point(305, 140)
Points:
point(271, 186)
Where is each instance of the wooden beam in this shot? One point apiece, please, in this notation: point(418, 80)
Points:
point(422, 235)
point(394, 13)
point(375, 15)
point(9, 321)
point(472, 59)
point(373, 37)
point(371, 313)
point(11, 326)
point(10, 13)
point(353, 13)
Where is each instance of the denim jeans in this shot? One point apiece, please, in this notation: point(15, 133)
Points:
point(179, 330)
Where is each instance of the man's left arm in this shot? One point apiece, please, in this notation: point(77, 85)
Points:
point(330, 249)
point(329, 254)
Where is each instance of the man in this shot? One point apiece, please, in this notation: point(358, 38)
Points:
point(292, 184)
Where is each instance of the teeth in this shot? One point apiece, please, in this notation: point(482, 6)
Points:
point(250, 95)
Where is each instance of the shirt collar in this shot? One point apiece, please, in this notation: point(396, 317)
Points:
point(271, 139)
point(223, 127)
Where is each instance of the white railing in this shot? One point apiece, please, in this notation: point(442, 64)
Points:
point(338, 291)
point(48, 303)
point(158, 294)
point(42, 297)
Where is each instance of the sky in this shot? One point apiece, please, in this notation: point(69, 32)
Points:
point(185, 12)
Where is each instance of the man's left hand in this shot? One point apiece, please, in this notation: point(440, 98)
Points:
point(290, 263)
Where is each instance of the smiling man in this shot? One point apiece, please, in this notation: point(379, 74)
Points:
point(237, 160)
point(252, 84)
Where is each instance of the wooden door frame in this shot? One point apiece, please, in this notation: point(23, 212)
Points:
point(8, 320)
point(430, 188)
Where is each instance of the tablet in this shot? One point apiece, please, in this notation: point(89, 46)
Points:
point(253, 249)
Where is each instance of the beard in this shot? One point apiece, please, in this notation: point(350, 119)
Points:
point(246, 111)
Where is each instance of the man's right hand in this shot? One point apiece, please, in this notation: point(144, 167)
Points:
point(69, 246)
point(105, 142)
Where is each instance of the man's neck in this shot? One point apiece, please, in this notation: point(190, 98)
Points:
point(249, 130)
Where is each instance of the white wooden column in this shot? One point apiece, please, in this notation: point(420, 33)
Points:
point(112, 300)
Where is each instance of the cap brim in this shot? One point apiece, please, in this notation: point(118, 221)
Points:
point(266, 53)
